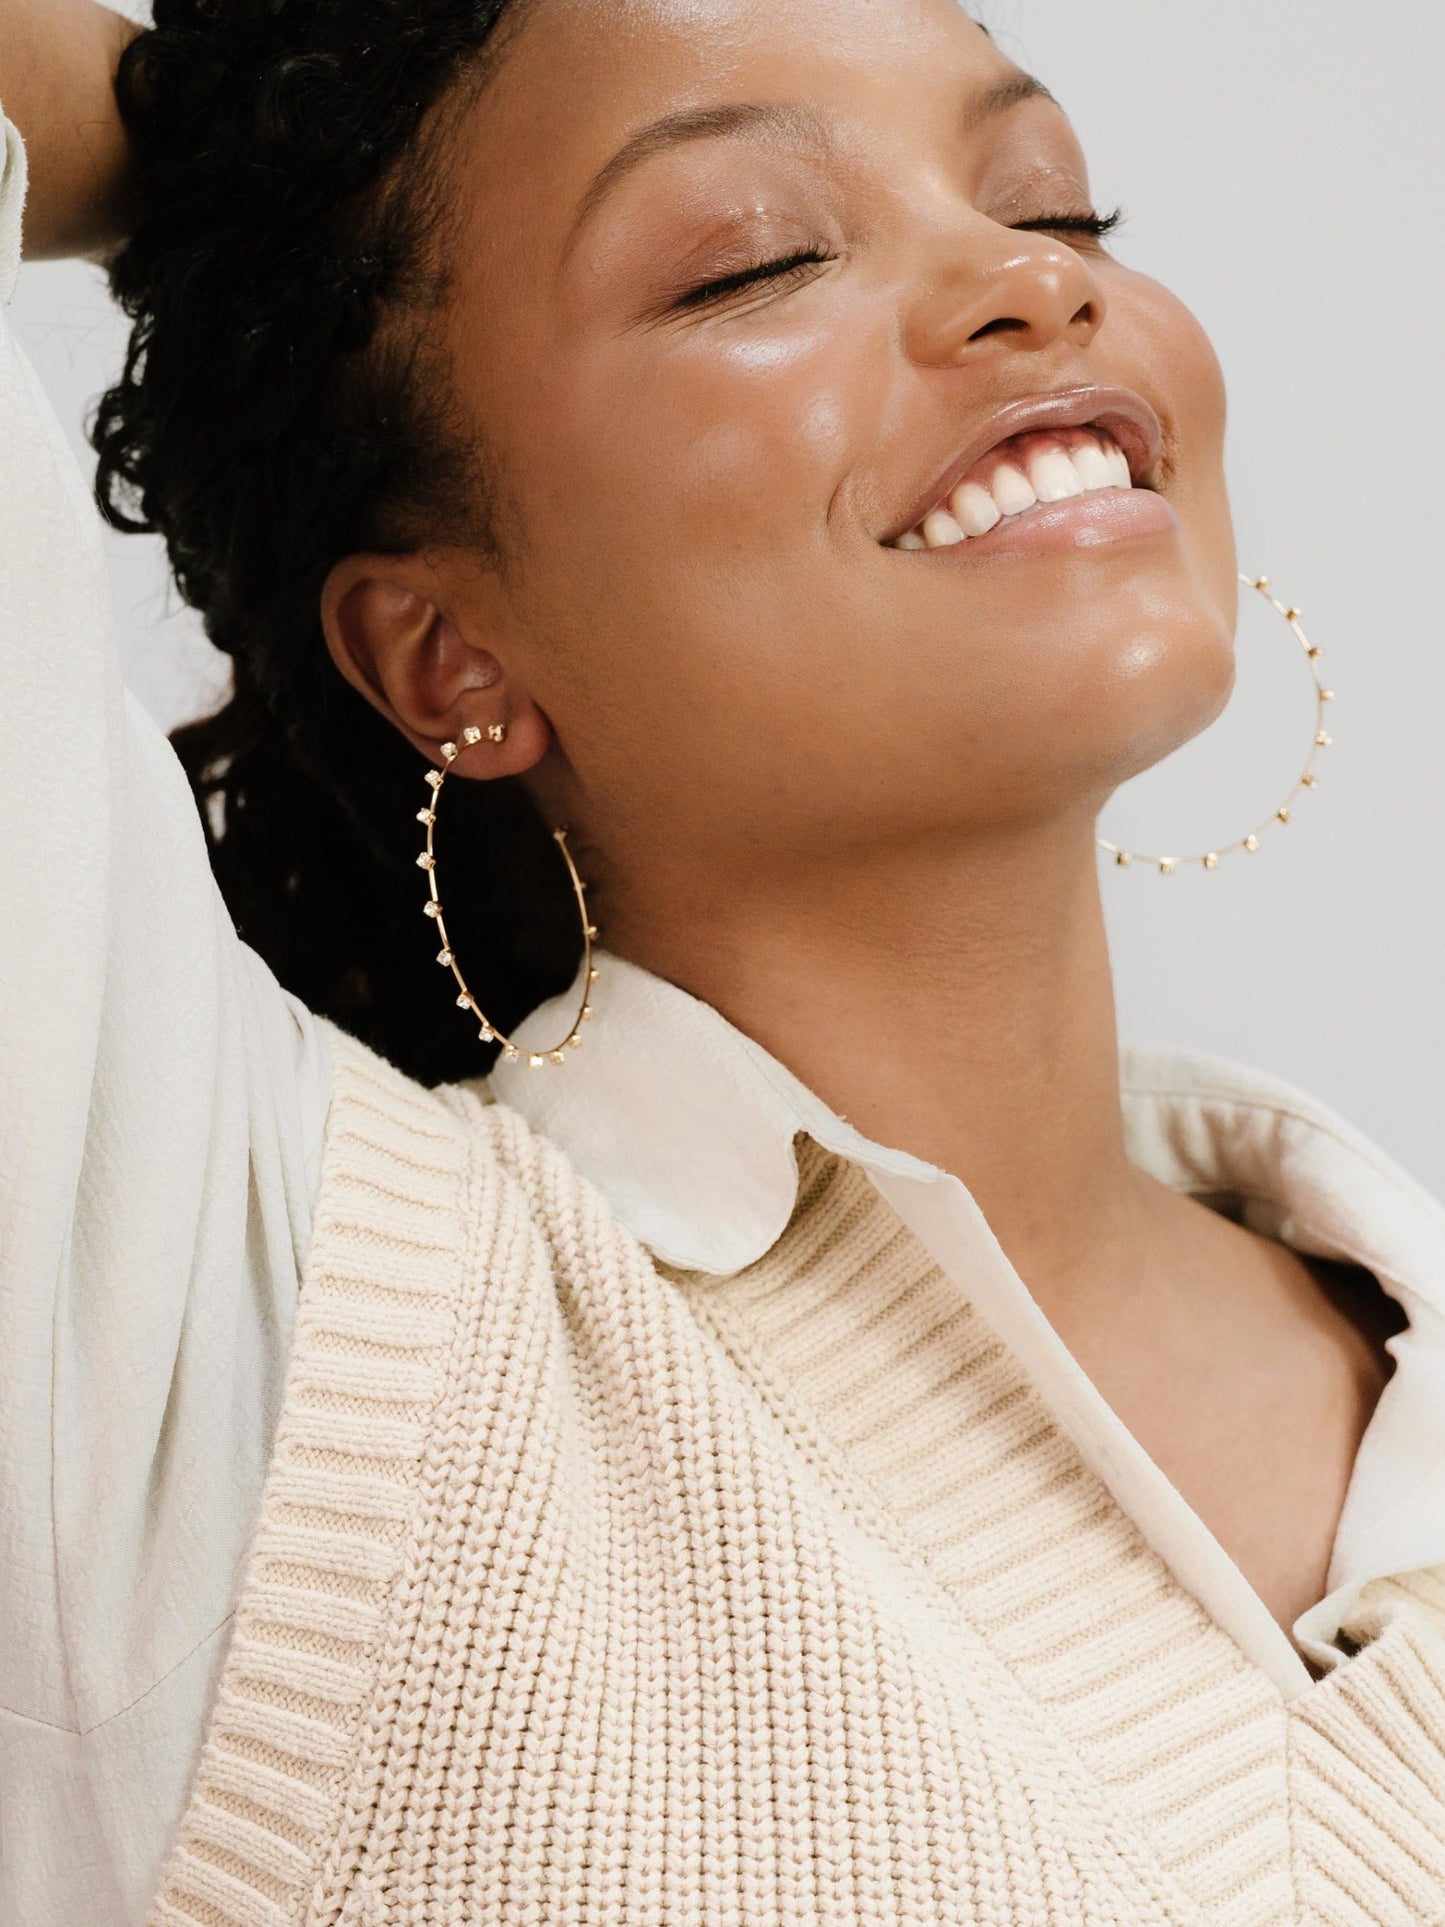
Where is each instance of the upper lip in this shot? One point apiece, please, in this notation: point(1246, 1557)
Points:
point(1126, 416)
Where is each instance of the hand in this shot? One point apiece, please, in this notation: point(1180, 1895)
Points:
point(57, 72)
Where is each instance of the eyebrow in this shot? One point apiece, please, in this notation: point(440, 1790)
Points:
point(789, 120)
point(1004, 94)
point(792, 122)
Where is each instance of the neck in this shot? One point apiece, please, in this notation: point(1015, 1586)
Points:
point(959, 1009)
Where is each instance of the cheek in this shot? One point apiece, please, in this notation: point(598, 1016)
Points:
point(1175, 363)
point(683, 454)
point(684, 509)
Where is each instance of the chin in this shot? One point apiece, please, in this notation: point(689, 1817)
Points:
point(1129, 694)
point(1164, 690)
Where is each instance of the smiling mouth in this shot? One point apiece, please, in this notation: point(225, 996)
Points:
point(1018, 476)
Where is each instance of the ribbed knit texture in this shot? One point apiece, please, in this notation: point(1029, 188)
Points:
point(587, 1593)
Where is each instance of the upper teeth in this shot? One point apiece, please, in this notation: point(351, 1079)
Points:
point(1016, 477)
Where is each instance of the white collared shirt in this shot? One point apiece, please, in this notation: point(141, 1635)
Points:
point(686, 1127)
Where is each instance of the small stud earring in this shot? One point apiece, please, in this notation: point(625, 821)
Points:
point(497, 732)
point(471, 734)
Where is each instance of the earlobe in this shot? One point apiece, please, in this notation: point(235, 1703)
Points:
point(400, 639)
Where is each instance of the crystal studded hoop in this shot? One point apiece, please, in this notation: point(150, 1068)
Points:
point(489, 1032)
point(1307, 780)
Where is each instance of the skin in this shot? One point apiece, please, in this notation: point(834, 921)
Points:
point(845, 793)
point(56, 63)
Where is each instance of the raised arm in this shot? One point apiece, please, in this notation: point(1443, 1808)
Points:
point(161, 1110)
point(57, 68)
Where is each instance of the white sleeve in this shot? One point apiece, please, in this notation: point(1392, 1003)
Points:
point(162, 1102)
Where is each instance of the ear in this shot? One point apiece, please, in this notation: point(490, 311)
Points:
point(423, 637)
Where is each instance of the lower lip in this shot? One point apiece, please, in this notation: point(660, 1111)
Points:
point(1063, 528)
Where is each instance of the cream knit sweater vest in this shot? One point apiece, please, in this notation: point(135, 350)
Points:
point(586, 1593)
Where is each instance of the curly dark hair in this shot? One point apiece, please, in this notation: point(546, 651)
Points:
point(283, 404)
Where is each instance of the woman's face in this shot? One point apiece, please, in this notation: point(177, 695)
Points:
point(707, 458)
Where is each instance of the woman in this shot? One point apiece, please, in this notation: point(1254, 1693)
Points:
point(829, 1448)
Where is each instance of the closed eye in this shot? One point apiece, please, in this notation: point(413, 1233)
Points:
point(1094, 225)
point(778, 270)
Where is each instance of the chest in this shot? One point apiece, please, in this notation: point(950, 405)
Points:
point(1253, 1399)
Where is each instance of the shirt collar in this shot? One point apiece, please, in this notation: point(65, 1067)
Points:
point(686, 1127)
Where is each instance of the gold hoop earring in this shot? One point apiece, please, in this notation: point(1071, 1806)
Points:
point(1307, 780)
point(489, 1032)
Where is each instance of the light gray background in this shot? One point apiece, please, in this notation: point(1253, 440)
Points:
point(1281, 167)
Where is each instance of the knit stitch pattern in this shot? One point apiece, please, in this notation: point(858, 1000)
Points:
point(585, 1593)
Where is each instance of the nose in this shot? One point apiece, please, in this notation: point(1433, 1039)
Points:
point(1002, 287)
